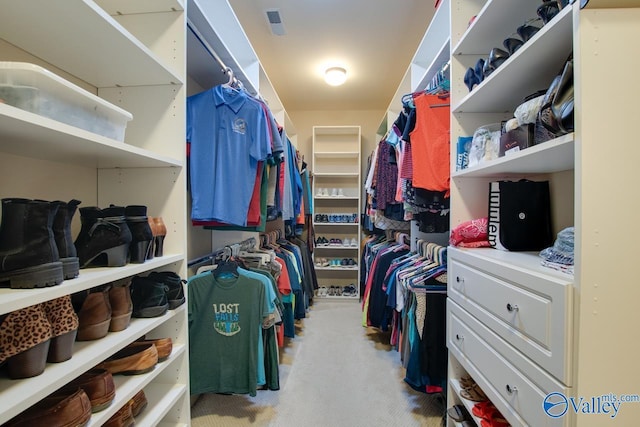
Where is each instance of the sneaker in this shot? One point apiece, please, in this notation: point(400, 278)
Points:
point(319, 193)
point(340, 192)
point(325, 192)
point(334, 192)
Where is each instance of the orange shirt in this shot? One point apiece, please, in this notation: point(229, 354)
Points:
point(430, 143)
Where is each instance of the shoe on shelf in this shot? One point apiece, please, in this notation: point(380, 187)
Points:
point(174, 287)
point(325, 192)
point(122, 418)
point(64, 327)
point(57, 409)
point(334, 192)
point(319, 193)
point(94, 312)
point(164, 346)
point(99, 386)
point(138, 403)
point(132, 360)
point(340, 192)
point(323, 291)
point(25, 337)
point(149, 296)
point(121, 304)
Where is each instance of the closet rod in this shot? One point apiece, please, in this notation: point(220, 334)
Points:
point(208, 48)
point(244, 245)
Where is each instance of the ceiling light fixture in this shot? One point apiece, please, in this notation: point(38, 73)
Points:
point(335, 76)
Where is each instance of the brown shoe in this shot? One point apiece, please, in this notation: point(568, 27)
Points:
point(132, 360)
point(138, 403)
point(163, 345)
point(56, 410)
point(99, 386)
point(161, 232)
point(121, 305)
point(64, 324)
point(94, 312)
point(122, 418)
point(25, 336)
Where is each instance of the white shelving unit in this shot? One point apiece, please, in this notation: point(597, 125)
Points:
point(544, 331)
point(132, 55)
point(336, 166)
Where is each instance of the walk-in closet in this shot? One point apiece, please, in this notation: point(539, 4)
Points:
point(230, 213)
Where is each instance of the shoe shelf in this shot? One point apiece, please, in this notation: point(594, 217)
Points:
point(15, 299)
point(18, 395)
point(457, 388)
point(27, 134)
point(106, 54)
point(161, 397)
point(530, 68)
point(336, 169)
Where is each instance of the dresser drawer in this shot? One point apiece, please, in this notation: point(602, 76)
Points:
point(511, 381)
point(532, 312)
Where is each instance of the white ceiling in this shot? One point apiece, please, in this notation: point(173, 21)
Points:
point(374, 39)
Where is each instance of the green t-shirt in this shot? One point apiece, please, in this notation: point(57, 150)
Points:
point(225, 316)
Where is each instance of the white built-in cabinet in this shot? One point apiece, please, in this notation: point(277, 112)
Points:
point(336, 207)
point(520, 330)
point(132, 54)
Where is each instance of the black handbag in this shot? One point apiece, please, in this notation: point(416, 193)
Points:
point(520, 215)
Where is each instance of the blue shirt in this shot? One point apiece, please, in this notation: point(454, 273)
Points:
point(228, 133)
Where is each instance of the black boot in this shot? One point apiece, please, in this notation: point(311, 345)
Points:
point(28, 252)
point(64, 240)
point(149, 297)
point(141, 234)
point(173, 283)
point(104, 237)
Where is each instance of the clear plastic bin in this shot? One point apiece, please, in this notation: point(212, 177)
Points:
point(37, 90)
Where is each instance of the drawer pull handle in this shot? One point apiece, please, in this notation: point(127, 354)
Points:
point(512, 307)
point(511, 389)
point(459, 279)
point(459, 337)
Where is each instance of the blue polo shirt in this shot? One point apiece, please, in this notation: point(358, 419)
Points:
point(228, 133)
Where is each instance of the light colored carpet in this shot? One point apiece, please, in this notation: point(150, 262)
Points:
point(333, 373)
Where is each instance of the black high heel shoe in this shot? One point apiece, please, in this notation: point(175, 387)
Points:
point(479, 70)
point(470, 79)
point(496, 58)
point(527, 31)
point(512, 44)
point(547, 10)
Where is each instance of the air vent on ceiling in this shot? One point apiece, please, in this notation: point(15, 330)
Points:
point(275, 22)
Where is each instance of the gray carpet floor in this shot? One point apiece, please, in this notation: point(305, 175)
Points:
point(333, 373)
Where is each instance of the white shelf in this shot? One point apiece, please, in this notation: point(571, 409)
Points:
point(528, 261)
point(18, 395)
point(105, 55)
point(551, 156)
point(126, 7)
point(336, 198)
point(330, 174)
point(455, 385)
point(161, 398)
point(530, 69)
point(30, 135)
point(337, 154)
point(15, 299)
point(337, 247)
point(350, 268)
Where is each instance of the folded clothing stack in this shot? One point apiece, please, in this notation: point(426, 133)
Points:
point(560, 255)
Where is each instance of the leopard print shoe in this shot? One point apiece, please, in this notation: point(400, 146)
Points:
point(64, 324)
point(25, 336)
